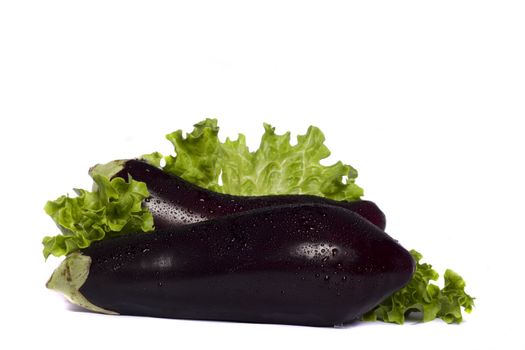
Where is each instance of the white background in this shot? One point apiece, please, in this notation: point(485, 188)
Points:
point(425, 99)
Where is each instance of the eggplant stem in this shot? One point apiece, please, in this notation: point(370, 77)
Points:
point(69, 276)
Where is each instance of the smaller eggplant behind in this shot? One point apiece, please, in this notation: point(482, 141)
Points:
point(313, 264)
point(174, 201)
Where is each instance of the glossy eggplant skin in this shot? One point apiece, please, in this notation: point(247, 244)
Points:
point(175, 201)
point(313, 264)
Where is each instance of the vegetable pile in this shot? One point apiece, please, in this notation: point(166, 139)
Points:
point(219, 232)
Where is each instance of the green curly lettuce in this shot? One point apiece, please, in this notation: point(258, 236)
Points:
point(419, 295)
point(276, 167)
point(114, 208)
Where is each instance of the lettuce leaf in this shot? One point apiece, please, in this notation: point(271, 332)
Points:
point(276, 167)
point(419, 295)
point(114, 208)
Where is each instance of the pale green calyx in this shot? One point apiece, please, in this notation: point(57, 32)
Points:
point(109, 169)
point(69, 276)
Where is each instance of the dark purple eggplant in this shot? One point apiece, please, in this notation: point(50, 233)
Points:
point(314, 264)
point(175, 201)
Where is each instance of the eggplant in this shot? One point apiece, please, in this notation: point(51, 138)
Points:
point(175, 202)
point(300, 264)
